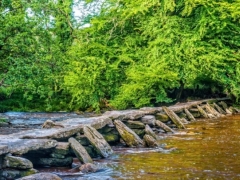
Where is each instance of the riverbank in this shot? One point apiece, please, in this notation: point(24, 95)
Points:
point(112, 126)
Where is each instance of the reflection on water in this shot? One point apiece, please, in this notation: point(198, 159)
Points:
point(206, 150)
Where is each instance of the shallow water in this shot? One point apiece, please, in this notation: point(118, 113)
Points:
point(206, 150)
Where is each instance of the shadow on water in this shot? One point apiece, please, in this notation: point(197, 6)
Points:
point(205, 150)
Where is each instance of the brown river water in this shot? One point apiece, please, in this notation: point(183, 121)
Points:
point(207, 149)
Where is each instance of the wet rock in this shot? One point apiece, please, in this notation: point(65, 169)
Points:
point(148, 119)
point(61, 148)
point(202, 112)
point(150, 141)
point(213, 111)
point(83, 140)
point(91, 151)
point(41, 176)
point(3, 149)
point(58, 156)
point(189, 115)
point(4, 124)
point(112, 137)
point(220, 110)
point(150, 132)
point(162, 117)
point(52, 162)
point(14, 174)
point(80, 151)
point(128, 135)
point(184, 121)
point(164, 126)
point(105, 129)
point(88, 168)
point(139, 132)
point(182, 115)
point(23, 146)
point(135, 124)
point(174, 117)
point(1, 161)
point(17, 162)
point(97, 141)
point(196, 114)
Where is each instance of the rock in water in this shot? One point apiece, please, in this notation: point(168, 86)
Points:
point(41, 176)
point(164, 126)
point(88, 167)
point(189, 115)
point(150, 141)
point(98, 141)
point(202, 112)
point(128, 135)
point(173, 117)
point(17, 162)
point(15, 174)
point(220, 110)
point(150, 132)
point(80, 151)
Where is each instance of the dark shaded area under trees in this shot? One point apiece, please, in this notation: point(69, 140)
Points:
point(133, 54)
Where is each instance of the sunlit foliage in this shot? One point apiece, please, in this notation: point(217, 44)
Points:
point(133, 54)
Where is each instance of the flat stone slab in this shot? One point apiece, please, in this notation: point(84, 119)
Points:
point(3, 149)
point(125, 114)
point(71, 127)
point(23, 146)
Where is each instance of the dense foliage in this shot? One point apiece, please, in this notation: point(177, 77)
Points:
point(133, 54)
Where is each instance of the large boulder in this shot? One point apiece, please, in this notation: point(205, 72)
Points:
point(17, 162)
point(41, 176)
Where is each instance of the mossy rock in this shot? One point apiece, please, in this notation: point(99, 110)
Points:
point(135, 124)
point(105, 129)
point(139, 132)
point(182, 115)
point(14, 174)
point(162, 117)
point(111, 138)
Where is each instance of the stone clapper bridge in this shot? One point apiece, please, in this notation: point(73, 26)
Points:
point(58, 142)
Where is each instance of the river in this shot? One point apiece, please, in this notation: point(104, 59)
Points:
point(207, 149)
